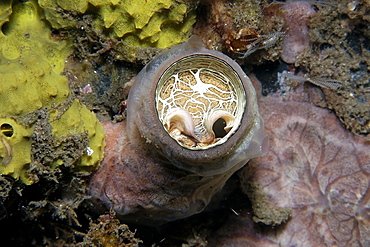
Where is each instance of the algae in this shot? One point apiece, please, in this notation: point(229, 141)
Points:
point(108, 231)
point(5, 11)
point(140, 23)
point(31, 63)
point(15, 140)
point(340, 51)
point(78, 119)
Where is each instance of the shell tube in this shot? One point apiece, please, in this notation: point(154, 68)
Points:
point(142, 116)
point(150, 175)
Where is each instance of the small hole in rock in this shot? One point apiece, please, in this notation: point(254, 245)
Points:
point(219, 128)
point(5, 29)
point(7, 130)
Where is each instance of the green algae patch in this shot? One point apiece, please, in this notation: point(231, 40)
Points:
point(139, 23)
point(30, 63)
point(32, 88)
point(78, 119)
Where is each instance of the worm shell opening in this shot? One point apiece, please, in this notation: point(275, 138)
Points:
point(195, 97)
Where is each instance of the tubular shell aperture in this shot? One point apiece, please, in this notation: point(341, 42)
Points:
point(200, 101)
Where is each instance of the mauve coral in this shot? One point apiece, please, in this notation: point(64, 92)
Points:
point(296, 41)
point(316, 168)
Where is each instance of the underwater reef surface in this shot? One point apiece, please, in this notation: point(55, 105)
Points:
point(43, 127)
point(65, 66)
point(314, 167)
point(330, 44)
point(129, 26)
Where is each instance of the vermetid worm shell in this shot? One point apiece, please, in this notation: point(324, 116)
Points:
point(192, 121)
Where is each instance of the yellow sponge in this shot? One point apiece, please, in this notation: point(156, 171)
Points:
point(31, 63)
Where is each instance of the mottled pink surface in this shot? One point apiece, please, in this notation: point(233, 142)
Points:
point(134, 182)
point(296, 40)
point(315, 167)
